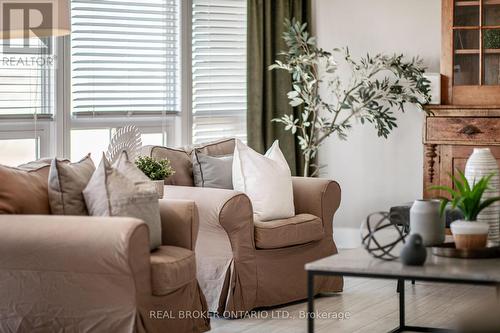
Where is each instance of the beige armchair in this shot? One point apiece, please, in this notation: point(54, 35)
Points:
point(243, 264)
point(68, 273)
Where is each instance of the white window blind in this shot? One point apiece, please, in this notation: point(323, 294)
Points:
point(124, 57)
point(26, 78)
point(219, 30)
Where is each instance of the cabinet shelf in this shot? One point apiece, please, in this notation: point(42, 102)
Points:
point(476, 51)
point(466, 3)
point(476, 27)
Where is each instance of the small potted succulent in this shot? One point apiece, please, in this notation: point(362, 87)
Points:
point(156, 170)
point(468, 233)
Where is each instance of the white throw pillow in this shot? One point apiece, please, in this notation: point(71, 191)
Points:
point(266, 179)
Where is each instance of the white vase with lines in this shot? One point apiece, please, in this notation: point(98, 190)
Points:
point(482, 163)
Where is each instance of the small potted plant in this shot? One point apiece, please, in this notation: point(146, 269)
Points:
point(468, 233)
point(156, 170)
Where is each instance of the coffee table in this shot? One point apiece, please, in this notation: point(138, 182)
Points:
point(358, 263)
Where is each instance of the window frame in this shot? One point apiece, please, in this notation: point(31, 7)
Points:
point(54, 130)
point(38, 126)
point(29, 127)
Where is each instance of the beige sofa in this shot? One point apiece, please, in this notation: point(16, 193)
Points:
point(96, 274)
point(244, 264)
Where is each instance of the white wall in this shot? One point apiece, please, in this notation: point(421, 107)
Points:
point(375, 173)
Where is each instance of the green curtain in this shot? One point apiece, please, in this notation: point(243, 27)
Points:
point(267, 90)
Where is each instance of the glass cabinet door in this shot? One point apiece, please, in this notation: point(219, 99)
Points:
point(476, 42)
point(491, 42)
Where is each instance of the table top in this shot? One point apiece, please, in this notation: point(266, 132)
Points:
point(358, 262)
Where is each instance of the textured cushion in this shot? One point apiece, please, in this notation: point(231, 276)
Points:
point(128, 168)
point(266, 179)
point(66, 184)
point(35, 165)
point(171, 268)
point(24, 191)
point(217, 148)
point(212, 171)
point(180, 161)
point(111, 193)
point(300, 229)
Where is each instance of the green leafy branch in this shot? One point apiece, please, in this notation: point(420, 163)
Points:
point(378, 85)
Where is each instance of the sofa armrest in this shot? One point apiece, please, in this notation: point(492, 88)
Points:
point(71, 269)
point(179, 223)
point(320, 197)
point(218, 208)
point(75, 244)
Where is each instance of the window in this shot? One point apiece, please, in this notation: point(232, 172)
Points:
point(124, 57)
point(219, 69)
point(129, 62)
point(124, 68)
point(95, 141)
point(18, 151)
point(27, 77)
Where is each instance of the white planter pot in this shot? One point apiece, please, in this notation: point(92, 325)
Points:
point(482, 163)
point(469, 235)
point(426, 221)
point(159, 187)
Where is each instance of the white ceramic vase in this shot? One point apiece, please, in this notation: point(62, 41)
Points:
point(482, 163)
point(426, 221)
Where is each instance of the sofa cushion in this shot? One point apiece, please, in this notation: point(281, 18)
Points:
point(66, 184)
point(180, 160)
point(266, 180)
point(171, 268)
point(213, 171)
point(24, 190)
point(299, 229)
point(217, 148)
point(128, 168)
point(111, 193)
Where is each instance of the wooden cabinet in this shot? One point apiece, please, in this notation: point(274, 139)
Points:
point(470, 62)
point(451, 134)
point(470, 90)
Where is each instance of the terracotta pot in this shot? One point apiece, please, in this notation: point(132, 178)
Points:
point(469, 234)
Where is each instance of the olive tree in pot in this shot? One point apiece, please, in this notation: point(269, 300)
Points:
point(468, 198)
point(377, 85)
point(156, 170)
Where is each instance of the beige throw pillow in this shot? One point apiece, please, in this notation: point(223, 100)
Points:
point(111, 193)
point(66, 183)
point(128, 168)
